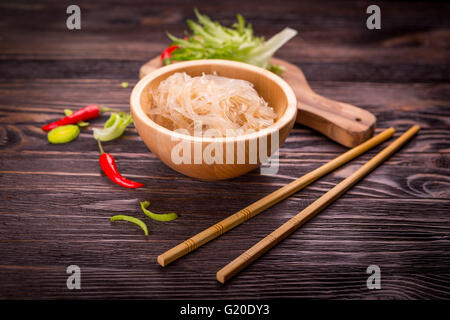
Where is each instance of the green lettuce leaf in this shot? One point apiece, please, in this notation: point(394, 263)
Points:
point(211, 40)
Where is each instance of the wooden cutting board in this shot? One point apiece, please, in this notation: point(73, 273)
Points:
point(341, 122)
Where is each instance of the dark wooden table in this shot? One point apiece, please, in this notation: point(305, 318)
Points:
point(55, 203)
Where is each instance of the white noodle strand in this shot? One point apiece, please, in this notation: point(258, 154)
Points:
point(218, 102)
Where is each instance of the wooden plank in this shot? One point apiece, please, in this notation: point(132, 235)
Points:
point(98, 284)
point(137, 14)
point(337, 243)
point(123, 69)
point(305, 48)
point(301, 140)
point(402, 176)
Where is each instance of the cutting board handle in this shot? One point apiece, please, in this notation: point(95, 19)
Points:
point(341, 122)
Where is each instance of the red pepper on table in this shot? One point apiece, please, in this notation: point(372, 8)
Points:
point(108, 165)
point(87, 113)
point(166, 55)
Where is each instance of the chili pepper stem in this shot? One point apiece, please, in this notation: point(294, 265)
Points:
point(107, 109)
point(100, 147)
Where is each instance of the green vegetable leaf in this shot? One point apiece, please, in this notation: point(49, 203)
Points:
point(114, 127)
point(137, 221)
point(211, 40)
point(68, 112)
point(156, 216)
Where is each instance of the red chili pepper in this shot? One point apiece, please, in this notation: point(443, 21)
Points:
point(108, 165)
point(166, 55)
point(87, 113)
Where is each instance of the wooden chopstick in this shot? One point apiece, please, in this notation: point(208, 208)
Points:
point(313, 209)
point(268, 201)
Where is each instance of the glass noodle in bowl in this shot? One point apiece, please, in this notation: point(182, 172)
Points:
point(223, 105)
point(202, 155)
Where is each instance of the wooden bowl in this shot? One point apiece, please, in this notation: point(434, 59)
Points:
point(162, 141)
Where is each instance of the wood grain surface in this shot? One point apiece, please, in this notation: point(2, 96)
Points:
point(55, 202)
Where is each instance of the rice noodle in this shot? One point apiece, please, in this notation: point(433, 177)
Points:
point(216, 102)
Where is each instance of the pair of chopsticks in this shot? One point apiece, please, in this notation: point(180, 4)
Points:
point(247, 257)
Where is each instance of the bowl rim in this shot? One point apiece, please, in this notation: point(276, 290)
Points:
point(286, 118)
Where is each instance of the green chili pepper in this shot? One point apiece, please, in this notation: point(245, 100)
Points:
point(156, 216)
point(68, 112)
point(63, 134)
point(114, 127)
point(137, 221)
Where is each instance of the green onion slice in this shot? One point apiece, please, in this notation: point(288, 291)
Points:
point(156, 216)
point(68, 112)
point(114, 127)
point(137, 221)
point(63, 134)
